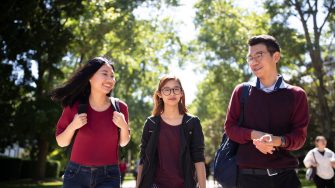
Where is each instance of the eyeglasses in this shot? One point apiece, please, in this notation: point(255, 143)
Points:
point(256, 57)
point(167, 91)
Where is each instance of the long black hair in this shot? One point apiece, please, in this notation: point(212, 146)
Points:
point(78, 86)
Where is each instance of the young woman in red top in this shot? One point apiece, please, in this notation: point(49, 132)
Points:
point(172, 148)
point(99, 129)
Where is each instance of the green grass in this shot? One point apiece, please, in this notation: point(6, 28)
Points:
point(305, 183)
point(27, 183)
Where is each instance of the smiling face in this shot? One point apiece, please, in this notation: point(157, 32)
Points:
point(261, 62)
point(171, 93)
point(103, 80)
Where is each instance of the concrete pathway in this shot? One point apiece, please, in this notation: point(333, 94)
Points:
point(132, 183)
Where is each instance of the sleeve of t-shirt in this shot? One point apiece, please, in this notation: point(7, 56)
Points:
point(65, 119)
point(124, 110)
point(235, 132)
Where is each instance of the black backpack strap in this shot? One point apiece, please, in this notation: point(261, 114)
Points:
point(115, 104)
point(243, 100)
point(82, 108)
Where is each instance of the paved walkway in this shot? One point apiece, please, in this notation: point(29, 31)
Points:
point(132, 183)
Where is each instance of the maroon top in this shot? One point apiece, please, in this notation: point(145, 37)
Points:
point(168, 173)
point(96, 143)
point(283, 112)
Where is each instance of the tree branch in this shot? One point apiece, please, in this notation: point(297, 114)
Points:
point(330, 9)
point(303, 21)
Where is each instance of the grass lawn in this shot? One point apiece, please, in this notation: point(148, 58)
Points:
point(27, 183)
point(305, 183)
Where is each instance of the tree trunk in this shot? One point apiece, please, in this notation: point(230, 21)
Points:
point(43, 145)
point(317, 63)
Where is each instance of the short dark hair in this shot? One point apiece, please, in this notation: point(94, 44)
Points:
point(269, 41)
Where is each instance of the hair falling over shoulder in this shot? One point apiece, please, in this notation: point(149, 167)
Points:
point(78, 87)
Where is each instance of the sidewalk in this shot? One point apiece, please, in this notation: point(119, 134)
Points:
point(132, 183)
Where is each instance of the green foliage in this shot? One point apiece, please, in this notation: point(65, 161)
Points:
point(222, 40)
point(223, 34)
point(57, 38)
point(309, 56)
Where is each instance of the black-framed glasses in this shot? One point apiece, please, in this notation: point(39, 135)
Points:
point(257, 57)
point(167, 91)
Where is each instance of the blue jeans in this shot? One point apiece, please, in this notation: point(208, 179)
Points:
point(79, 176)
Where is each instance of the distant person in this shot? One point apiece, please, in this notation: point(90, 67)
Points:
point(172, 148)
point(324, 160)
point(275, 121)
point(136, 163)
point(100, 129)
point(123, 169)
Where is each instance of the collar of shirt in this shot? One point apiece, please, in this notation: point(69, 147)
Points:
point(272, 87)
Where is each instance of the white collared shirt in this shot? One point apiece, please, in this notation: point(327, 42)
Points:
point(271, 88)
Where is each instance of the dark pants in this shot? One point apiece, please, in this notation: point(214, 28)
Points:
point(78, 176)
point(323, 183)
point(282, 180)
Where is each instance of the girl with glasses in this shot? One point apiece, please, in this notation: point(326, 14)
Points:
point(172, 148)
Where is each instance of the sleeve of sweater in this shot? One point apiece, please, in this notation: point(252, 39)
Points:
point(144, 141)
point(238, 134)
point(300, 118)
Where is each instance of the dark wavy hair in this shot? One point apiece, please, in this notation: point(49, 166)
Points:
point(159, 103)
point(78, 86)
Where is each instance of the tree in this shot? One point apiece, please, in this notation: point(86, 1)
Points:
point(315, 19)
point(33, 33)
point(57, 37)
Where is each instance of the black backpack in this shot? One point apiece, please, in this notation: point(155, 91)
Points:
point(225, 167)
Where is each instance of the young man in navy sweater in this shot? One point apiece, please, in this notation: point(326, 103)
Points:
point(275, 121)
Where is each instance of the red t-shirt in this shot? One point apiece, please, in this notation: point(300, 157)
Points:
point(123, 167)
point(96, 143)
point(169, 172)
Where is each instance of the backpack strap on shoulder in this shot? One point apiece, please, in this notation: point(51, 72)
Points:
point(243, 100)
point(82, 108)
point(115, 104)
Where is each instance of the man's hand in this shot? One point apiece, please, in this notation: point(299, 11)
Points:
point(265, 144)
